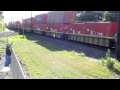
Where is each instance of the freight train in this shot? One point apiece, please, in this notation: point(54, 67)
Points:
point(63, 25)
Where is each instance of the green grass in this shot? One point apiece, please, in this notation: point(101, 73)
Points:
point(43, 63)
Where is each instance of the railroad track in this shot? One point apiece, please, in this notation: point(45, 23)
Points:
point(92, 51)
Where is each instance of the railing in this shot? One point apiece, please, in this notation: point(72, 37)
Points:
point(17, 70)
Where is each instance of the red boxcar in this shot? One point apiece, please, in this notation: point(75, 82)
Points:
point(66, 28)
point(28, 23)
point(69, 17)
point(44, 26)
point(17, 24)
point(102, 29)
point(48, 27)
point(38, 26)
point(57, 27)
point(41, 19)
point(77, 28)
point(61, 17)
point(55, 17)
point(90, 28)
point(24, 23)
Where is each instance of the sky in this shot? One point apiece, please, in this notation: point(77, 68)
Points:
point(18, 15)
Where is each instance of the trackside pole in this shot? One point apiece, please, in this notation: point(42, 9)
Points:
point(118, 39)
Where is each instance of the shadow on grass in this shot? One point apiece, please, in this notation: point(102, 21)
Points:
point(59, 45)
point(42, 42)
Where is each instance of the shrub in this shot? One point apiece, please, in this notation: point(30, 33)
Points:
point(109, 62)
point(82, 54)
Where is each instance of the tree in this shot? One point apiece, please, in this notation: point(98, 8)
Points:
point(89, 15)
point(110, 16)
point(1, 12)
point(2, 25)
point(1, 15)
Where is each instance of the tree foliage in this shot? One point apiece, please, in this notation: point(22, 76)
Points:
point(110, 16)
point(2, 26)
point(97, 16)
point(89, 16)
point(1, 12)
point(1, 15)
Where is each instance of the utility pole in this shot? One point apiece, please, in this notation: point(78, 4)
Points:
point(11, 24)
point(118, 39)
point(23, 26)
point(31, 20)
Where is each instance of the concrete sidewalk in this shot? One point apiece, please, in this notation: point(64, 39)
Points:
point(4, 75)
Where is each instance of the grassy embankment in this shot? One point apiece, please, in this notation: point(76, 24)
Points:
point(46, 61)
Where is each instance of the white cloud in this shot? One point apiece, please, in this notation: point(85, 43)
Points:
point(18, 15)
